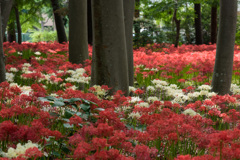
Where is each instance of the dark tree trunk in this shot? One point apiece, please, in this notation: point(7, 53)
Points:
point(19, 29)
point(198, 24)
point(214, 24)
point(222, 75)
point(109, 63)
point(59, 22)
point(78, 43)
point(6, 6)
point(129, 6)
point(89, 21)
point(136, 15)
point(177, 22)
point(2, 57)
point(11, 33)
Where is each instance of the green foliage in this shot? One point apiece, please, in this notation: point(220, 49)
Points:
point(149, 34)
point(237, 38)
point(44, 36)
point(71, 107)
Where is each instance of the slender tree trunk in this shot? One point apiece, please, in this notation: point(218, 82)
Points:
point(187, 30)
point(89, 21)
point(109, 63)
point(198, 24)
point(129, 6)
point(59, 22)
point(214, 24)
point(222, 74)
point(2, 57)
point(19, 29)
point(137, 27)
point(11, 33)
point(6, 6)
point(177, 22)
point(78, 43)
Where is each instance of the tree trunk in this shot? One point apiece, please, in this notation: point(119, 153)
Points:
point(129, 6)
point(109, 63)
point(177, 22)
point(198, 24)
point(214, 24)
point(19, 29)
point(11, 33)
point(6, 6)
point(137, 27)
point(222, 74)
point(78, 43)
point(89, 21)
point(2, 57)
point(59, 22)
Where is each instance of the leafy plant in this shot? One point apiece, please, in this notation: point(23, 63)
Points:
point(71, 107)
point(44, 36)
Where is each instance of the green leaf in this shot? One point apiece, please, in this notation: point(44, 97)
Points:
point(56, 154)
point(68, 114)
point(88, 102)
point(43, 99)
point(67, 125)
point(75, 106)
point(58, 103)
point(85, 107)
point(74, 100)
point(51, 98)
point(54, 114)
point(85, 116)
point(99, 109)
point(65, 149)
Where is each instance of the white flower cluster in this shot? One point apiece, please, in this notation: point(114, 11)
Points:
point(235, 89)
point(20, 150)
point(135, 99)
point(25, 67)
point(134, 115)
point(190, 112)
point(9, 77)
point(99, 91)
point(77, 76)
point(143, 104)
point(152, 99)
point(132, 89)
point(13, 69)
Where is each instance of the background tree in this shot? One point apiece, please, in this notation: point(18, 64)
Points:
point(129, 6)
point(5, 8)
point(89, 22)
point(214, 21)
point(222, 75)
point(109, 61)
point(78, 41)
point(198, 24)
point(58, 22)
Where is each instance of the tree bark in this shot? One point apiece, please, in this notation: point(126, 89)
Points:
point(136, 15)
point(109, 62)
point(177, 22)
point(89, 21)
point(11, 33)
point(222, 75)
point(198, 24)
point(19, 29)
point(129, 6)
point(6, 6)
point(78, 41)
point(214, 24)
point(2, 57)
point(58, 22)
